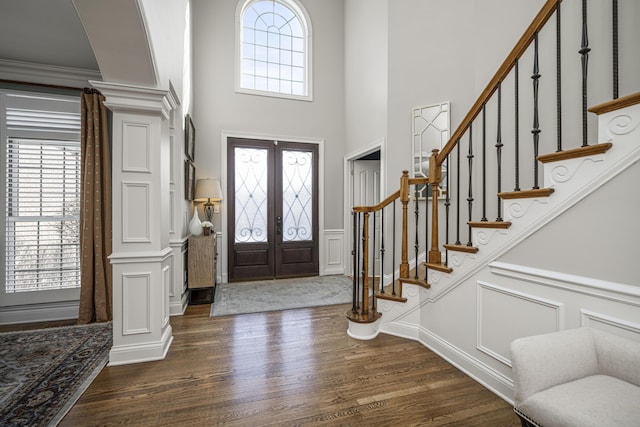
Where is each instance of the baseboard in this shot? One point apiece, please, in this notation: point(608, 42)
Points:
point(474, 368)
point(178, 308)
point(39, 312)
point(138, 353)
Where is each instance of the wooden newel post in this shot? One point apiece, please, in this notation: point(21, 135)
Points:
point(435, 178)
point(404, 199)
point(365, 264)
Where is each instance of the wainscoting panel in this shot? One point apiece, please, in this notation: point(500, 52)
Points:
point(136, 291)
point(531, 315)
point(332, 261)
point(136, 219)
point(611, 324)
point(136, 148)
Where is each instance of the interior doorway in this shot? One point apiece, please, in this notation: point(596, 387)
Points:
point(364, 182)
point(273, 209)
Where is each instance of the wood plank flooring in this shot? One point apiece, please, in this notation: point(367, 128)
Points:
point(286, 368)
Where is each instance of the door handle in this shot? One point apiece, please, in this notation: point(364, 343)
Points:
point(279, 225)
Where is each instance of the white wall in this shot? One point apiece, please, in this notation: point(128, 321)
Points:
point(437, 53)
point(591, 245)
point(218, 108)
point(366, 65)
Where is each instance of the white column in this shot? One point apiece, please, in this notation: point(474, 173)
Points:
point(142, 258)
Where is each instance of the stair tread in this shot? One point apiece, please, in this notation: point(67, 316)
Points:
point(438, 266)
point(418, 282)
point(526, 194)
point(574, 153)
point(490, 224)
point(390, 297)
point(461, 248)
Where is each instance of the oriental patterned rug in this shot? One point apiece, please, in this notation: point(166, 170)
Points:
point(269, 295)
point(43, 372)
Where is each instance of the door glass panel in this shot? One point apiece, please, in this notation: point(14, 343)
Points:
point(297, 196)
point(251, 194)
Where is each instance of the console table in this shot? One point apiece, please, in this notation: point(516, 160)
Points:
point(201, 273)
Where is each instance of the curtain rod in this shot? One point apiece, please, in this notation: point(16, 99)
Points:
point(78, 89)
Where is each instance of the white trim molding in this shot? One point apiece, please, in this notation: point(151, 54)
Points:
point(333, 257)
point(28, 72)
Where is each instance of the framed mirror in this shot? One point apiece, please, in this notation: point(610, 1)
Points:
point(430, 131)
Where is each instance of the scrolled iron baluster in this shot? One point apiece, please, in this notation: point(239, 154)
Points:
point(470, 193)
point(416, 244)
point(584, 60)
point(536, 121)
point(447, 204)
point(499, 146)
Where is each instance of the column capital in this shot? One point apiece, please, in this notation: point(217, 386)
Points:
point(128, 98)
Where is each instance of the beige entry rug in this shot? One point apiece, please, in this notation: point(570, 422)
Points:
point(43, 372)
point(270, 295)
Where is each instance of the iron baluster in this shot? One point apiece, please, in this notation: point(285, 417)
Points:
point(416, 244)
point(558, 79)
point(615, 48)
point(484, 164)
point(393, 253)
point(447, 204)
point(536, 121)
point(499, 146)
point(382, 251)
point(458, 195)
point(373, 263)
point(354, 254)
point(470, 194)
point(517, 127)
point(584, 60)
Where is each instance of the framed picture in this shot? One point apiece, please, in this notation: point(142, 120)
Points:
point(189, 180)
point(189, 138)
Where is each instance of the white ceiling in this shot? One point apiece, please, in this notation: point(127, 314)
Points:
point(44, 32)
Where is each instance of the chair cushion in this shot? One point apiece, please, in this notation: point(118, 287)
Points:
point(597, 400)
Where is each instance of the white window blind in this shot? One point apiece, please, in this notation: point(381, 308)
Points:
point(42, 184)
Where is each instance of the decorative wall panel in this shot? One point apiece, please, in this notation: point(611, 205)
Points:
point(136, 310)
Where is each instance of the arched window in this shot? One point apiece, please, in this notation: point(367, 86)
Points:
point(274, 51)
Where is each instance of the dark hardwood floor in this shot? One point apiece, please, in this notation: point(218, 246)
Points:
point(286, 368)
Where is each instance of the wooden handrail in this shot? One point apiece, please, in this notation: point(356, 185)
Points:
point(536, 25)
point(379, 206)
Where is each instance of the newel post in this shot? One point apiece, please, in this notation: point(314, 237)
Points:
point(404, 199)
point(435, 178)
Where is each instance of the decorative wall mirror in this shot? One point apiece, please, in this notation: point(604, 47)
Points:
point(430, 131)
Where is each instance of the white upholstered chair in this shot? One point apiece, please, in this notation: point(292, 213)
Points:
point(577, 377)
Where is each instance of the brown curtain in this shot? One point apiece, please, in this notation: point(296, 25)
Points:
point(95, 211)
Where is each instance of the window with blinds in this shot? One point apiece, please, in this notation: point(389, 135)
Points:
point(42, 193)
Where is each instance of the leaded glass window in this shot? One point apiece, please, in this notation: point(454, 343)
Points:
point(251, 207)
point(297, 196)
point(274, 49)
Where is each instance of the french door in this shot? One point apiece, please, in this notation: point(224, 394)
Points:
point(273, 209)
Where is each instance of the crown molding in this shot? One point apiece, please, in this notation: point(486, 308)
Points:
point(46, 74)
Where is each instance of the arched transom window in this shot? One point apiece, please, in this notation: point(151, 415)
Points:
point(274, 49)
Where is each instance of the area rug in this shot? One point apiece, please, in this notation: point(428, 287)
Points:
point(43, 372)
point(282, 294)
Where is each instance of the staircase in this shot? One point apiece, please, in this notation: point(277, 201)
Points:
point(446, 294)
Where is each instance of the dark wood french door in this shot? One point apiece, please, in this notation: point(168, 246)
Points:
point(273, 209)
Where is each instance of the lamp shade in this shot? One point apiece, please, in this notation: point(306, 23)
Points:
point(209, 190)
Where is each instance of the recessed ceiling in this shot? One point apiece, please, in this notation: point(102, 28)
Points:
point(44, 32)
